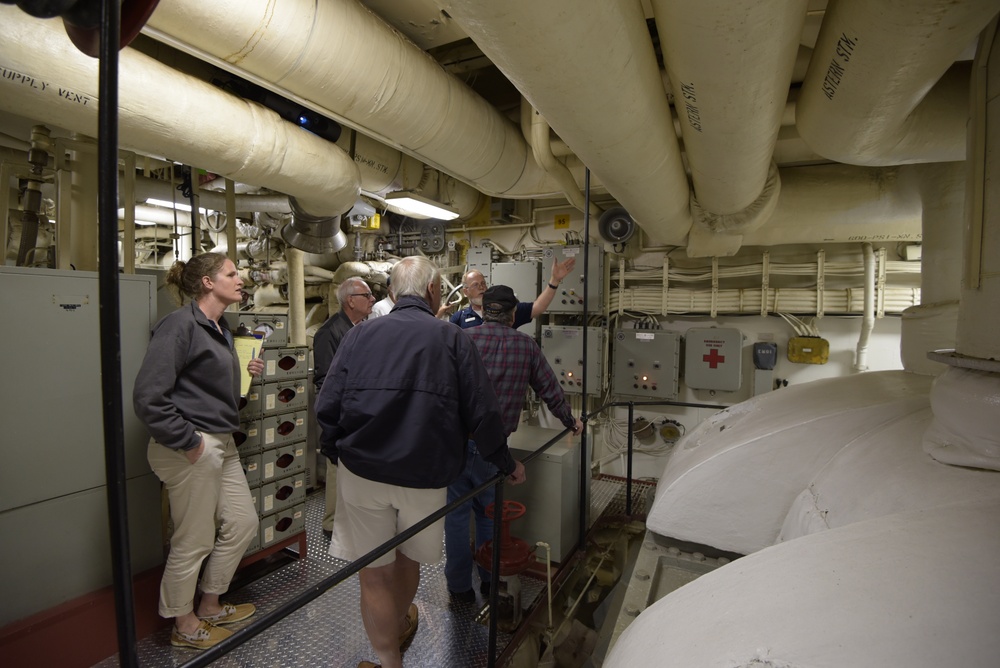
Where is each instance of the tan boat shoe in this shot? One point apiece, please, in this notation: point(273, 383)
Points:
point(412, 618)
point(230, 614)
point(205, 636)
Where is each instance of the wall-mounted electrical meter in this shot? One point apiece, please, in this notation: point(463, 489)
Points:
point(569, 295)
point(563, 349)
point(646, 363)
point(713, 359)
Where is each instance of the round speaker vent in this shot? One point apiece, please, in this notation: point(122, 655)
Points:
point(616, 225)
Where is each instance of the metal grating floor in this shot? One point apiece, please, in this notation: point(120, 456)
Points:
point(328, 631)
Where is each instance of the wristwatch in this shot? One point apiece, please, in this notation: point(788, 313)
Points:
point(554, 287)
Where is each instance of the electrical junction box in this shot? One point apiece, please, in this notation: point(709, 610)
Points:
point(522, 278)
point(713, 359)
point(646, 363)
point(481, 260)
point(569, 296)
point(563, 350)
point(808, 350)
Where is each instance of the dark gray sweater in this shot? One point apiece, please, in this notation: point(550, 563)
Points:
point(189, 380)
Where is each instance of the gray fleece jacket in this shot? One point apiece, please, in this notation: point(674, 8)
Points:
point(189, 380)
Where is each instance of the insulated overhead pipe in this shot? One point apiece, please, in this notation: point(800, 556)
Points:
point(370, 77)
point(883, 87)
point(163, 112)
point(602, 95)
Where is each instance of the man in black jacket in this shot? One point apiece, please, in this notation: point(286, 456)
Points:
point(400, 400)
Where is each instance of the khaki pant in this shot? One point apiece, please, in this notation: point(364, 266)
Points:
point(213, 517)
point(330, 495)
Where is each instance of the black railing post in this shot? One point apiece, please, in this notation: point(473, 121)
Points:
point(628, 475)
point(491, 652)
point(110, 326)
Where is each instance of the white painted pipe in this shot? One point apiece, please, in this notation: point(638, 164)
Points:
point(979, 313)
point(842, 204)
point(865, 98)
point(296, 298)
point(868, 315)
point(730, 66)
point(600, 90)
point(165, 113)
point(346, 62)
point(542, 150)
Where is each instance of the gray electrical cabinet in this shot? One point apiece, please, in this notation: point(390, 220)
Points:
point(481, 260)
point(53, 499)
point(523, 279)
point(551, 493)
point(563, 350)
point(646, 363)
point(569, 296)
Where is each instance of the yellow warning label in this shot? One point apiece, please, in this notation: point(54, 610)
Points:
point(561, 221)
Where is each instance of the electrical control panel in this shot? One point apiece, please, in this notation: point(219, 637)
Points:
point(481, 260)
point(563, 349)
point(523, 279)
point(569, 296)
point(713, 359)
point(646, 363)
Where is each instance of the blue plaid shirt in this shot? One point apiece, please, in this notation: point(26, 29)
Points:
point(514, 361)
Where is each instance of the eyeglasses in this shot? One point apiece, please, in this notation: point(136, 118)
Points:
point(366, 295)
point(480, 284)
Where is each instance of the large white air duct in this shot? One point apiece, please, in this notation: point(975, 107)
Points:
point(354, 68)
point(599, 89)
point(860, 106)
point(730, 66)
point(165, 113)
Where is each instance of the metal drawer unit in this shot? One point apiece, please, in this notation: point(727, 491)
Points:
point(281, 494)
point(250, 404)
point(283, 461)
point(277, 323)
point(283, 428)
point(252, 468)
point(285, 363)
point(247, 437)
point(283, 524)
point(283, 395)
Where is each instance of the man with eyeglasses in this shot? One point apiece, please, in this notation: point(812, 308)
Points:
point(356, 301)
point(474, 285)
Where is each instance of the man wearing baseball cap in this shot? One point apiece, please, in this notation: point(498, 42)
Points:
point(513, 362)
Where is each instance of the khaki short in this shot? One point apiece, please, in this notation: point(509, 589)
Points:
point(370, 513)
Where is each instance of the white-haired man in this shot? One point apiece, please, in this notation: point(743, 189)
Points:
point(401, 398)
point(356, 300)
point(474, 285)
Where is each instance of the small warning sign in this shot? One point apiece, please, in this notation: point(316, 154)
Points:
point(561, 221)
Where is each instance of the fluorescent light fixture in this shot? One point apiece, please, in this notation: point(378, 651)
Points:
point(180, 206)
point(417, 204)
